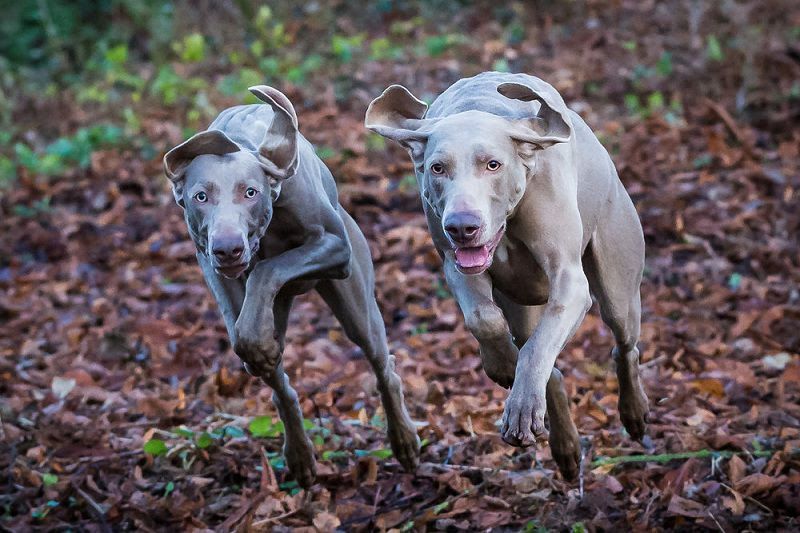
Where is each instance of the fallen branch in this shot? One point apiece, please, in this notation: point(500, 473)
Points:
point(667, 457)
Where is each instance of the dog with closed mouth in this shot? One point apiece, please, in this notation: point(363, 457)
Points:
point(527, 211)
point(263, 212)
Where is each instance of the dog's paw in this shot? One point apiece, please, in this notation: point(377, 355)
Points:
point(260, 354)
point(523, 417)
point(301, 463)
point(405, 446)
point(634, 412)
point(566, 451)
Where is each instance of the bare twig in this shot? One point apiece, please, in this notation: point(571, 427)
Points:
point(463, 468)
point(714, 518)
point(96, 507)
point(274, 519)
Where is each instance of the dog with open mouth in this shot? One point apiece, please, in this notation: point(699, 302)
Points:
point(526, 209)
point(263, 212)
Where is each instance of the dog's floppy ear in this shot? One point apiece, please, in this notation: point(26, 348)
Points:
point(398, 115)
point(212, 142)
point(549, 126)
point(278, 152)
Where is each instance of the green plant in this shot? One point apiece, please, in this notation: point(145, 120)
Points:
point(344, 48)
point(714, 49)
point(155, 447)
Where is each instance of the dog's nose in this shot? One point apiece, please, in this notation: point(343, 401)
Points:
point(462, 227)
point(228, 249)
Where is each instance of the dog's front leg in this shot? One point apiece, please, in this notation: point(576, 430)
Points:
point(297, 448)
point(485, 321)
point(569, 299)
point(323, 255)
point(229, 294)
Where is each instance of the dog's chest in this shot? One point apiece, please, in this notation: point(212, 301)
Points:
point(517, 274)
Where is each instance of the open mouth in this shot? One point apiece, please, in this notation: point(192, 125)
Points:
point(231, 271)
point(476, 259)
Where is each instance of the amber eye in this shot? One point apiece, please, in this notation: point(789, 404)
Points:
point(250, 193)
point(437, 168)
point(493, 165)
point(201, 197)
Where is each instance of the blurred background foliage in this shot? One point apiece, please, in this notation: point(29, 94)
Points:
point(115, 59)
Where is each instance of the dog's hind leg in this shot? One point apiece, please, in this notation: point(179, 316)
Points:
point(564, 440)
point(352, 301)
point(613, 263)
point(297, 448)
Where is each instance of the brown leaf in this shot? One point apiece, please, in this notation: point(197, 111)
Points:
point(685, 507)
point(325, 522)
point(757, 483)
point(736, 469)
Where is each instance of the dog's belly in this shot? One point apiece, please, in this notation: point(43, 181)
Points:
point(517, 275)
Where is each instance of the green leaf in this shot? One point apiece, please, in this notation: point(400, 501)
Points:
point(262, 426)
point(117, 55)
point(183, 432)
point(664, 65)
point(332, 455)
point(632, 103)
point(439, 507)
point(169, 488)
point(193, 48)
point(204, 440)
point(49, 479)
point(289, 485)
point(714, 49)
point(534, 526)
point(383, 453)
point(501, 65)
point(325, 152)
point(309, 424)
point(655, 101)
point(155, 447)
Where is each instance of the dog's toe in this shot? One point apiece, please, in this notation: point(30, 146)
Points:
point(567, 455)
point(301, 463)
point(635, 413)
point(406, 448)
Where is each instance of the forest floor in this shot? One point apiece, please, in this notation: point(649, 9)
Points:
point(109, 338)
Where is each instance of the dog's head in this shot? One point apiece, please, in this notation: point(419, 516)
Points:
point(472, 166)
point(227, 191)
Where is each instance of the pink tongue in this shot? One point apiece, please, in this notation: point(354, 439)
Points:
point(472, 257)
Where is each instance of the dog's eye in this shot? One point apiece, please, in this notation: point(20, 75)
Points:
point(437, 168)
point(201, 197)
point(493, 165)
point(250, 193)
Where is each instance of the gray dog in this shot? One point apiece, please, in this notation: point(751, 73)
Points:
point(263, 211)
point(527, 211)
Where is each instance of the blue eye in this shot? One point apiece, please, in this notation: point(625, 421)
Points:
point(201, 197)
point(250, 192)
